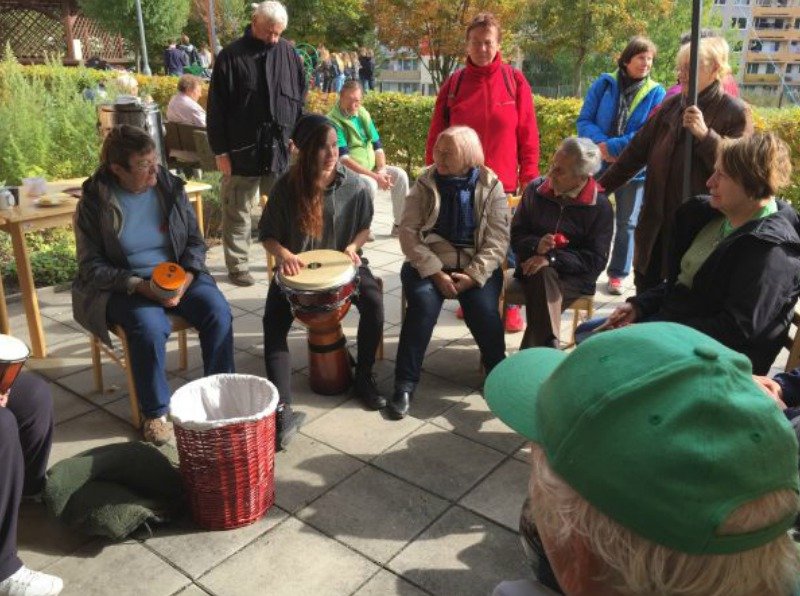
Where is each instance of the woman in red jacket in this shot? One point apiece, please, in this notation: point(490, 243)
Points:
point(495, 100)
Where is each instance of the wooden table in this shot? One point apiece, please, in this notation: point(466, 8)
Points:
point(28, 217)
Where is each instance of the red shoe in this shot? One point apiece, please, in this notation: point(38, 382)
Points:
point(460, 313)
point(514, 322)
point(615, 286)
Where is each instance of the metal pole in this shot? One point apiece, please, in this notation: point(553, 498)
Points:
point(145, 66)
point(691, 97)
point(212, 27)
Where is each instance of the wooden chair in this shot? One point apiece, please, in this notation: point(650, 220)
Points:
point(182, 145)
point(513, 294)
point(793, 344)
point(179, 326)
point(203, 149)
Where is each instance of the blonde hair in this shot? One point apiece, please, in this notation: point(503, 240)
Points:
point(634, 565)
point(714, 51)
point(127, 84)
point(760, 163)
point(468, 146)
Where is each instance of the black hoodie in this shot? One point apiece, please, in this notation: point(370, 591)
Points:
point(744, 294)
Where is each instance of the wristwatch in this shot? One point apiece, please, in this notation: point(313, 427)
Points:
point(551, 258)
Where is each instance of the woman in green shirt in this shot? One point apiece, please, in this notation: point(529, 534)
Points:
point(735, 260)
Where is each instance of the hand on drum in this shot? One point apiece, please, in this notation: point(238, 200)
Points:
point(352, 252)
point(291, 264)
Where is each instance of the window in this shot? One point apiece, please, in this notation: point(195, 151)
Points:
point(738, 23)
point(755, 45)
point(752, 68)
point(770, 68)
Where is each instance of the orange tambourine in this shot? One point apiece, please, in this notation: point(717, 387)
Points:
point(167, 280)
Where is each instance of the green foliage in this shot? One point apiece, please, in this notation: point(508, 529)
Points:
point(338, 24)
point(163, 20)
point(52, 255)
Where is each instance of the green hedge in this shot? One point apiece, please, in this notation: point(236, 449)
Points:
point(46, 128)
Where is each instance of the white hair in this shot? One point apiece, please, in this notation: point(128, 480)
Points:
point(634, 565)
point(587, 155)
point(272, 12)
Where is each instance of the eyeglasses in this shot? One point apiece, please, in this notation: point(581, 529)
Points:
point(145, 165)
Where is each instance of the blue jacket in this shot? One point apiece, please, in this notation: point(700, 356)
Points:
point(600, 108)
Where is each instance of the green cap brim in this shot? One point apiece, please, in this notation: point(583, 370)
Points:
point(512, 388)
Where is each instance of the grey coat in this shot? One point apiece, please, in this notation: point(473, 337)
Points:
point(103, 267)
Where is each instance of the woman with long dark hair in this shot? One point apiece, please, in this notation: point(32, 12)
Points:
point(318, 204)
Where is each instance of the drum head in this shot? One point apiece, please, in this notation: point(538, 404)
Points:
point(12, 349)
point(324, 269)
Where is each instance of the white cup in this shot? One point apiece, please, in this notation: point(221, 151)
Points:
point(34, 187)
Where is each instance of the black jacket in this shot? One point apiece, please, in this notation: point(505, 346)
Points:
point(256, 97)
point(102, 265)
point(744, 293)
point(589, 228)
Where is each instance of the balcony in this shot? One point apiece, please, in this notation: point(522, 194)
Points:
point(776, 8)
point(764, 79)
point(779, 57)
point(771, 34)
point(792, 79)
point(400, 76)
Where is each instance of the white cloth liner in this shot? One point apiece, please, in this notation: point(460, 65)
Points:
point(222, 400)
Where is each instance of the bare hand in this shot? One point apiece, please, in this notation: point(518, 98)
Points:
point(607, 157)
point(352, 252)
point(444, 283)
point(546, 244)
point(462, 282)
point(383, 179)
point(622, 316)
point(291, 264)
point(532, 265)
point(771, 388)
point(224, 164)
point(693, 122)
point(4, 398)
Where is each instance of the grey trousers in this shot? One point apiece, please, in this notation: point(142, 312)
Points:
point(546, 297)
point(239, 194)
point(398, 191)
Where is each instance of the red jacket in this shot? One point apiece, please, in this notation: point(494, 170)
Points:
point(506, 125)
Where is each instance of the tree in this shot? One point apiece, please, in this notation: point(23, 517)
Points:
point(163, 20)
point(434, 27)
point(584, 28)
point(338, 24)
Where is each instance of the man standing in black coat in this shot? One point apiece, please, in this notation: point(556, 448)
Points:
point(257, 92)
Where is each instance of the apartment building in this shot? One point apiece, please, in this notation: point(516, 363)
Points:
point(405, 75)
point(770, 53)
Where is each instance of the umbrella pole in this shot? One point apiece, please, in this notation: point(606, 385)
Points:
point(691, 97)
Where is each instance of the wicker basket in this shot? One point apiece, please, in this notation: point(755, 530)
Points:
point(225, 430)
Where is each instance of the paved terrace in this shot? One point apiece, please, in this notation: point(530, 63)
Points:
point(364, 505)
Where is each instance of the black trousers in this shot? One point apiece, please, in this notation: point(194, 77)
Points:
point(278, 319)
point(26, 433)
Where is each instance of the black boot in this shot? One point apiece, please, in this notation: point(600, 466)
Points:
point(367, 390)
point(398, 406)
point(287, 423)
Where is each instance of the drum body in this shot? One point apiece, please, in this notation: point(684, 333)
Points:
point(13, 354)
point(320, 296)
point(146, 116)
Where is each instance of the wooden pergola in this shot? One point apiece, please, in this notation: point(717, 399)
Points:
point(38, 28)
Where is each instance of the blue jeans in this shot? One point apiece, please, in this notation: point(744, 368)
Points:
point(586, 329)
point(424, 305)
point(628, 200)
point(146, 324)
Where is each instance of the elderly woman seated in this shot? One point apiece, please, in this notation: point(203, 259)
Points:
point(133, 216)
point(735, 265)
point(454, 234)
point(561, 234)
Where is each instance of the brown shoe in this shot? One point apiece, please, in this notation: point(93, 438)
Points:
point(157, 430)
point(241, 278)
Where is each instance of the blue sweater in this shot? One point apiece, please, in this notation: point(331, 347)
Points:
point(600, 108)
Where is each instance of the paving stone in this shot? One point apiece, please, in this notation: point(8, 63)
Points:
point(88, 431)
point(42, 539)
point(307, 469)
point(500, 496)
point(361, 433)
point(435, 395)
point(439, 461)
point(251, 298)
point(67, 405)
point(64, 359)
point(459, 362)
point(291, 559)
point(462, 554)
point(378, 259)
point(386, 583)
point(248, 332)
point(472, 418)
point(195, 551)
point(373, 512)
point(115, 383)
point(524, 453)
point(192, 590)
point(126, 569)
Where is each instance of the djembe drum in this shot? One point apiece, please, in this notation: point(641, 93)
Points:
point(320, 297)
point(167, 280)
point(13, 354)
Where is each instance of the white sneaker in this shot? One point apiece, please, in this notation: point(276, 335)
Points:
point(27, 582)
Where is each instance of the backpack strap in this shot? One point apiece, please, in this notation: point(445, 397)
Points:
point(509, 80)
point(452, 91)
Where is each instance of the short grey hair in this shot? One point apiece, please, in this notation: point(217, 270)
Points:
point(586, 154)
point(272, 12)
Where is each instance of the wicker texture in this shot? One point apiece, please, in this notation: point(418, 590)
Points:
point(228, 472)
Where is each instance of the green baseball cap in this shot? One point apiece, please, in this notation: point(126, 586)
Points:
point(656, 425)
